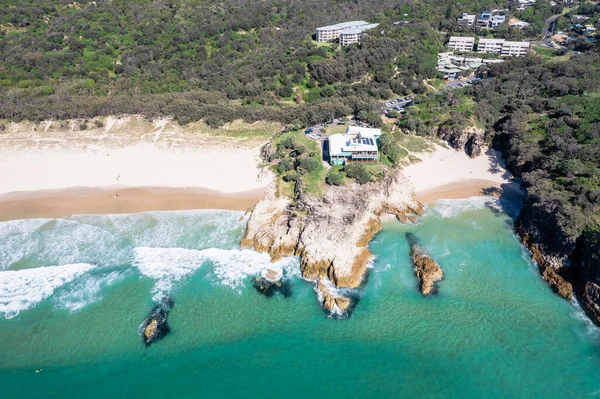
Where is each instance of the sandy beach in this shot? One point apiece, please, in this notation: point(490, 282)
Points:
point(447, 173)
point(106, 200)
point(127, 165)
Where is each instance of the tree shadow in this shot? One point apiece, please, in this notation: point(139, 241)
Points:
point(497, 164)
point(511, 199)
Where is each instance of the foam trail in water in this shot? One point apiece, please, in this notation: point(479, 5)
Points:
point(449, 208)
point(231, 267)
point(40, 242)
point(197, 229)
point(85, 290)
point(23, 289)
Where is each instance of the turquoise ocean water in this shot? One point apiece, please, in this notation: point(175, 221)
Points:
point(73, 292)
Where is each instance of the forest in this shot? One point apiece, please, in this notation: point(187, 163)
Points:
point(213, 60)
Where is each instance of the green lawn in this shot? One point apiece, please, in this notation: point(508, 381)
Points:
point(335, 129)
point(314, 182)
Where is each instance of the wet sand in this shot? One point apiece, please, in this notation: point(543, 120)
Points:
point(110, 200)
point(468, 188)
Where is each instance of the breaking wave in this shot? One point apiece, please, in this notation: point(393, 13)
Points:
point(85, 289)
point(449, 208)
point(25, 288)
point(230, 266)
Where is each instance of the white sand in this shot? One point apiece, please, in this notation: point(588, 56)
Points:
point(224, 169)
point(445, 166)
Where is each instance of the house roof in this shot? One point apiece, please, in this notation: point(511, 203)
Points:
point(343, 143)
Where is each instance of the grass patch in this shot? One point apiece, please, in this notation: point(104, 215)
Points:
point(549, 54)
point(238, 129)
point(335, 129)
point(414, 143)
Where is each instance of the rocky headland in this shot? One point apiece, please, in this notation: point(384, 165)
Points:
point(330, 234)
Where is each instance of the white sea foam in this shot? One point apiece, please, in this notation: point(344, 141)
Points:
point(449, 208)
point(84, 290)
point(231, 267)
point(39, 242)
point(25, 288)
point(197, 229)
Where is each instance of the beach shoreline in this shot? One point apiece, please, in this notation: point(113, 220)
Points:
point(118, 200)
point(449, 174)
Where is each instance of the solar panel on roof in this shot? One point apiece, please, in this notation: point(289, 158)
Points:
point(371, 141)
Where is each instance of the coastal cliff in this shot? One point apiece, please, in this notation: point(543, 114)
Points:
point(330, 234)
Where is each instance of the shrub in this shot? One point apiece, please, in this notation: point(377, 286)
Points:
point(358, 172)
point(300, 149)
point(307, 164)
point(284, 166)
point(288, 142)
point(335, 178)
point(290, 177)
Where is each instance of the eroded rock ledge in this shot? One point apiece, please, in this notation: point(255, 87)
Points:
point(549, 266)
point(427, 270)
point(330, 234)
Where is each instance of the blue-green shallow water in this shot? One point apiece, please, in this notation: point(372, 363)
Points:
point(495, 330)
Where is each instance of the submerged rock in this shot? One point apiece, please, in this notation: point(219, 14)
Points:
point(268, 286)
point(155, 326)
point(428, 272)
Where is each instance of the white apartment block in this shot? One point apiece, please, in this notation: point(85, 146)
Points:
point(332, 32)
point(466, 20)
point(461, 43)
point(514, 49)
point(493, 46)
point(355, 35)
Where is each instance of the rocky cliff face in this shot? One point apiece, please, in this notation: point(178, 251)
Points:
point(330, 234)
point(470, 139)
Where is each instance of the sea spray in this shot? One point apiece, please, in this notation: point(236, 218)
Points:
point(25, 288)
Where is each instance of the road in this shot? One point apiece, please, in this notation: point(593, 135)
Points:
point(546, 33)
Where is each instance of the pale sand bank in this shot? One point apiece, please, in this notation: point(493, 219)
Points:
point(223, 169)
point(111, 200)
point(450, 174)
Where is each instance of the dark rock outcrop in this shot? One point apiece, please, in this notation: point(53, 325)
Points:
point(428, 272)
point(155, 327)
point(590, 301)
point(270, 286)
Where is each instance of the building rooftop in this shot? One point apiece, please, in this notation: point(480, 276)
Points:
point(344, 143)
point(358, 30)
point(343, 25)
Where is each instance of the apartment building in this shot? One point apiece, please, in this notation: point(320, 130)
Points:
point(497, 20)
point(484, 19)
point(355, 35)
point(466, 20)
point(332, 32)
point(461, 43)
point(514, 49)
point(493, 46)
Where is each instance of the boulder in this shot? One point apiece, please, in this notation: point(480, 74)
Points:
point(155, 327)
point(428, 272)
point(271, 282)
